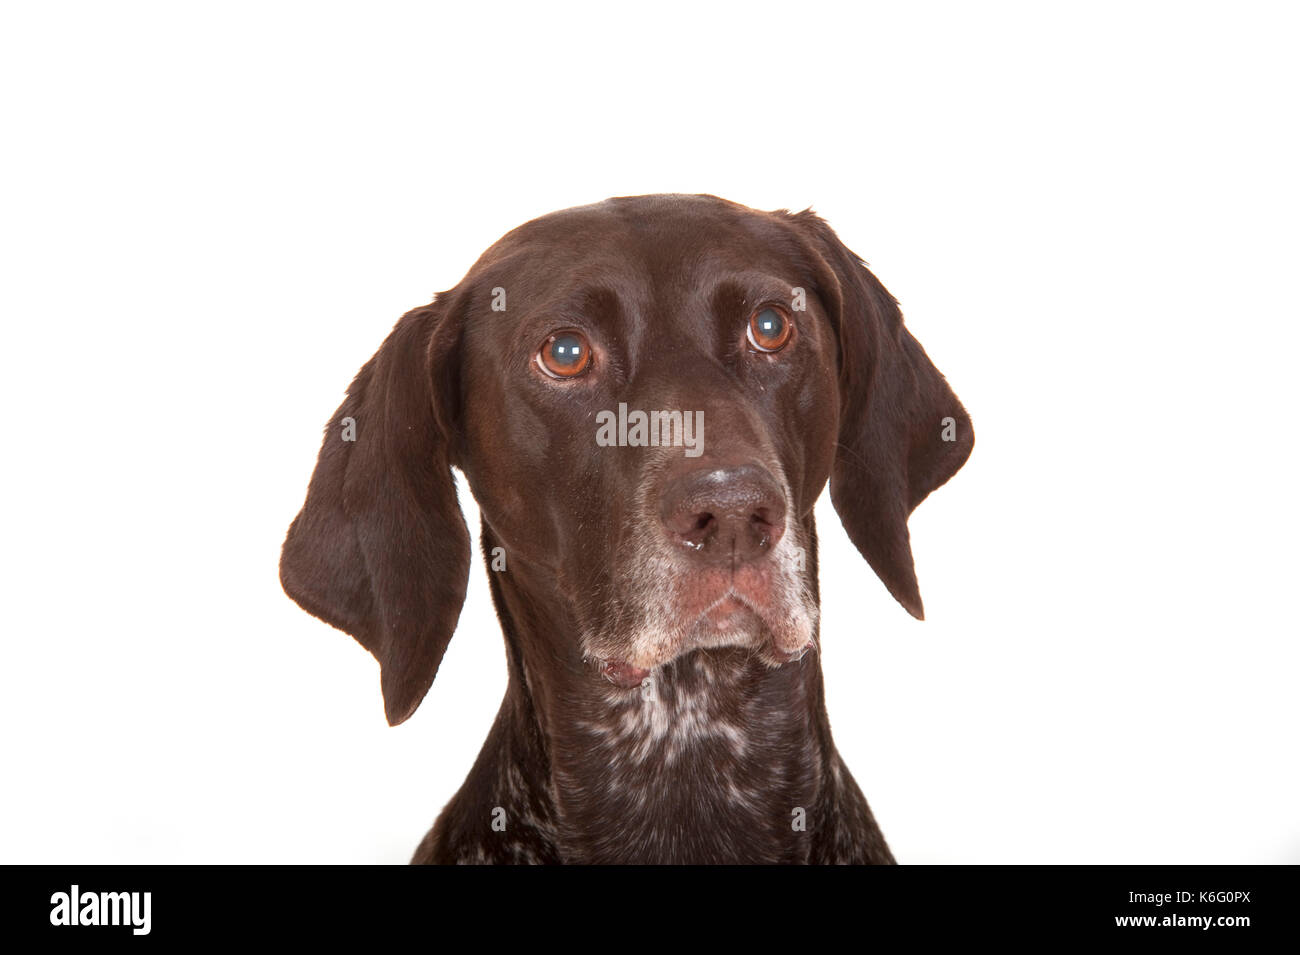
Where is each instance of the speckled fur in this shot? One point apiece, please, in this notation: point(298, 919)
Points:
point(729, 747)
point(708, 765)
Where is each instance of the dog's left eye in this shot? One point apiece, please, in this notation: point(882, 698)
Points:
point(769, 330)
point(565, 355)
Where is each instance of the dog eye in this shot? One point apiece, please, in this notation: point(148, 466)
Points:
point(769, 330)
point(565, 355)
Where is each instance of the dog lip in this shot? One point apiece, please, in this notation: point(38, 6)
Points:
point(726, 606)
point(621, 673)
point(733, 615)
point(794, 656)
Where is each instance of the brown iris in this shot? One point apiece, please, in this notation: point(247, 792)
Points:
point(565, 355)
point(769, 329)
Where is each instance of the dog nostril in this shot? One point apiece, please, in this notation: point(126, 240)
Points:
point(724, 515)
point(765, 527)
point(696, 529)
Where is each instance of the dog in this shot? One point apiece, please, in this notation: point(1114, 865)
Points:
point(660, 607)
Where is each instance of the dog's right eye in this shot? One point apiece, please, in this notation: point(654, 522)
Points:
point(565, 355)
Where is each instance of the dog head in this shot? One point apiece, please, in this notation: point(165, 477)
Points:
point(647, 397)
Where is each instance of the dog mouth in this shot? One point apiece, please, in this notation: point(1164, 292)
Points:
point(729, 621)
point(621, 673)
point(663, 606)
point(728, 613)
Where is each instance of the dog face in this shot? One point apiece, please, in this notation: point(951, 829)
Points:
point(647, 396)
point(652, 416)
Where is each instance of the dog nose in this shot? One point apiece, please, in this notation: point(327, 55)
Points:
point(724, 514)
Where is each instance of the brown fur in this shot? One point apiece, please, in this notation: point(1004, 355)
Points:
point(579, 770)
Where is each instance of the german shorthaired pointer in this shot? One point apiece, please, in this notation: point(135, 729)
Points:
point(647, 396)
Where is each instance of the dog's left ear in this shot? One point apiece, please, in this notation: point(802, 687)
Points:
point(380, 549)
point(902, 431)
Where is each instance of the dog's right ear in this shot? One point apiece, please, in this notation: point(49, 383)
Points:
point(380, 549)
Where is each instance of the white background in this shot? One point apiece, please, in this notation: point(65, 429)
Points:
point(213, 213)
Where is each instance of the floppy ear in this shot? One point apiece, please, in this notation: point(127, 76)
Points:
point(380, 549)
point(902, 431)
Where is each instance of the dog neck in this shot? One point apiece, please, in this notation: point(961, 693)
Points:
point(717, 757)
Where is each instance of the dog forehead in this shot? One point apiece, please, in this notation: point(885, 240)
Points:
point(653, 219)
point(647, 245)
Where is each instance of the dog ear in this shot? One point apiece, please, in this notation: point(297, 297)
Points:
point(902, 431)
point(380, 549)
